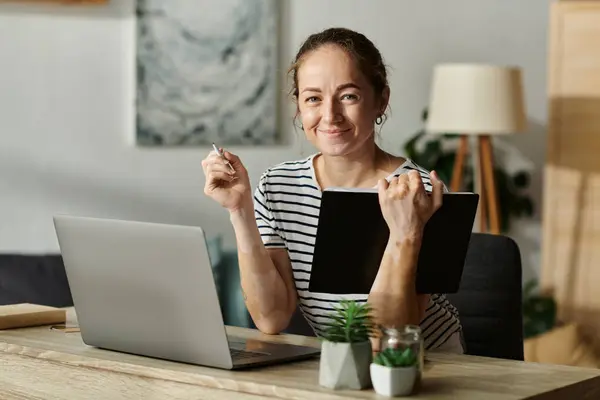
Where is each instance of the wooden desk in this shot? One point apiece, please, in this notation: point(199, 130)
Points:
point(39, 363)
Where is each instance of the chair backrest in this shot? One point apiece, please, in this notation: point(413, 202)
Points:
point(489, 300)
point(298, 325)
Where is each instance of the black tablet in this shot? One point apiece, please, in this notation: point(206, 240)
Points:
point(352, 236)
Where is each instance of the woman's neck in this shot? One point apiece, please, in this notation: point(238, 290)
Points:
point(361, 169)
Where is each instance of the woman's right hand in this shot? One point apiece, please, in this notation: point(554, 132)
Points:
point(230, 189)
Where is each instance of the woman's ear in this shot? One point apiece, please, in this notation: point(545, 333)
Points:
point(298, 119)
point(385, 99)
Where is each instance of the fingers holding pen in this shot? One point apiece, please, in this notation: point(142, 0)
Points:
point(215, 168)
point(234, 161)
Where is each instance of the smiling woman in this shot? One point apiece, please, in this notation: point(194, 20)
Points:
point(341, 91)
point(340, 87)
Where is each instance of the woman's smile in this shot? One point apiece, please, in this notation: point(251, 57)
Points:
point(333, 132)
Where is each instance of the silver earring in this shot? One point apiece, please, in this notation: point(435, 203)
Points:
point(379, 120)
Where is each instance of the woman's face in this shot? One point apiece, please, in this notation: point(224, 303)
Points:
point(337, 104)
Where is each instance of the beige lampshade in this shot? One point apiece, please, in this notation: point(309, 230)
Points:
point(476, 99)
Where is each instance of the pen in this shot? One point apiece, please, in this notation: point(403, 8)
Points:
point(223, 157)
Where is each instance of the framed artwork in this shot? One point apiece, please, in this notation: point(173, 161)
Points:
point(206, 72)
point(65, 2)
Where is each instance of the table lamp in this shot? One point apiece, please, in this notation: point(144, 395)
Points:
point(477, 100)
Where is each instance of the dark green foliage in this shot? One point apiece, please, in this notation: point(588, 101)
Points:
point(539, 311)
point(352, 323)
point(436, 154)
point(395, 358)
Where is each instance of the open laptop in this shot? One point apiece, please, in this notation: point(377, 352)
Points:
point(148, 289)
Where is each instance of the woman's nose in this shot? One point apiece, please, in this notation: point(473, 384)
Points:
point(332, 111)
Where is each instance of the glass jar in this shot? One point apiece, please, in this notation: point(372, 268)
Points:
point(409, 336)
point(416, 330)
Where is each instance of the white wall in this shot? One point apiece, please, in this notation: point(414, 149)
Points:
point(67, 106)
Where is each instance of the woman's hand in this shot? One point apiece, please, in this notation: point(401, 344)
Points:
point(228, 188)
point(406, 206)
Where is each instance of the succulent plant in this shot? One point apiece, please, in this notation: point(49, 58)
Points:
point(351, 322)
point(396, 357)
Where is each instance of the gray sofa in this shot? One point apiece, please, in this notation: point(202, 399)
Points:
point(38, 279)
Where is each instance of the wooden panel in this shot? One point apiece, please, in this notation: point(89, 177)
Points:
point(571, 209)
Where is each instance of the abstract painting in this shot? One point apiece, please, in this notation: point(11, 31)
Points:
point(206, 72)
point(62, 2)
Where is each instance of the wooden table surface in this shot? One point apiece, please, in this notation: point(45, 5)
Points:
point(39, 363)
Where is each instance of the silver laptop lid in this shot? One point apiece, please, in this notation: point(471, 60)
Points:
point(144, 288)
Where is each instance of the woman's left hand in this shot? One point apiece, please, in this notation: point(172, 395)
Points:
point(406, 206)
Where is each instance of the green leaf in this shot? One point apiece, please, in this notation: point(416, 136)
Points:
point(539, 311)
point(445, 166)
point(527, 205)
point(394, 358)
point(529, 288)
point(451, 135)
point(350, 322)
point(521, 180)
point(430, 155)
point(411, 146)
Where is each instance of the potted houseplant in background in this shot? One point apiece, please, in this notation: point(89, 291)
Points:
point(394, 371)
point(539, 311)
point(346, 351)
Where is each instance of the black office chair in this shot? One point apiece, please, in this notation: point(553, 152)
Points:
point(298, 325)
point(489, 300)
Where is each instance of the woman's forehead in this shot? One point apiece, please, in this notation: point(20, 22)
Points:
point(328, 65)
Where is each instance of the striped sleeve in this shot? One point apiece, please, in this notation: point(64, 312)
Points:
point(267, 226)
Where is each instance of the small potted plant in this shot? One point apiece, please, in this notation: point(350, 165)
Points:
point(346, 351)
point(394, 371)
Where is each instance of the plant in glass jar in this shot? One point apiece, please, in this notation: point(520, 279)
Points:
point(346, 351)
point(396, 369)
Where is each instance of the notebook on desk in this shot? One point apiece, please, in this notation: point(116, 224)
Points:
point(25, 314)
point(352, 236)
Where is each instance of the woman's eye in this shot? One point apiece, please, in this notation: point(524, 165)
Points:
point(349, 97)
point(312, 99)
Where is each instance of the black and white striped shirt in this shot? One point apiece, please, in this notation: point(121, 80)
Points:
point(287, 202)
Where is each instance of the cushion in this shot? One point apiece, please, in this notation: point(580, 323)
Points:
point(38, 279)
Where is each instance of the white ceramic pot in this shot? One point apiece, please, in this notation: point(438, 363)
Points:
point(393, 381)
point(345, 365)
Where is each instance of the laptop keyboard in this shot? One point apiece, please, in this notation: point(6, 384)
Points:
point(237, 347)
point(237, 354)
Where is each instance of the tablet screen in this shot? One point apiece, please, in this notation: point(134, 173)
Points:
point(352, 236)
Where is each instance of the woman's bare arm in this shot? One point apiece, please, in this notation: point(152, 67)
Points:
point(406, 208)
point(393, 295)
point(265, 274)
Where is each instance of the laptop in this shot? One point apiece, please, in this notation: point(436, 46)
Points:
point(148, 289)
point(352, 236)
